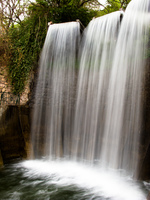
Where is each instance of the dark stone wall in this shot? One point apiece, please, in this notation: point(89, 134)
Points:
point(144, 173)
point(14, 133)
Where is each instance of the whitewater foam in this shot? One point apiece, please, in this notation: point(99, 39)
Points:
point(95, 180)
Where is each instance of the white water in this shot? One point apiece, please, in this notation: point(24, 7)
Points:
point(51, 128)
point(124, 111)
point(99, 182)
point(108, 110)
point(99, 44)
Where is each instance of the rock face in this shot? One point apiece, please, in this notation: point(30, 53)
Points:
point(14, 133)
point(1, 159)
point(14, 120)
point(6, 95)
point(145, 136)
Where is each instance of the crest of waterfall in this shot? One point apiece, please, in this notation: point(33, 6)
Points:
point(99, 44)
point(52, 118)
point(123, 113)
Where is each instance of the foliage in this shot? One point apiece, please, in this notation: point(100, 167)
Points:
point(59, 11)
point(4, 49)
point(26, 42)
point(114, 5)
point(11, 12)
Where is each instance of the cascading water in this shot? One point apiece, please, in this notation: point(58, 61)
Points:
point(108, 109)
point(55, 94)
point(123, 112)
point(99, 44)
point(96, 118)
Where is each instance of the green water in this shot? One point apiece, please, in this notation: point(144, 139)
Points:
point(16, 185)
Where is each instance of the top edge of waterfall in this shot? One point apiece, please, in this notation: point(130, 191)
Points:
point(65, 23)
point(139, 5)
point(116, 13)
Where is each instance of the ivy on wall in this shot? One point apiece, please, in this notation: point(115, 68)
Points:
point(26, 42)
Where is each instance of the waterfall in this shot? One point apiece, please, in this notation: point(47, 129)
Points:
point(55, 93)
point(124, 111)
point(99, 44)
point(88, 97)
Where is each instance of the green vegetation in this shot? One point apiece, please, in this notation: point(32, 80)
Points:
point(26, 41)
point(114, 5)
point(25, 36)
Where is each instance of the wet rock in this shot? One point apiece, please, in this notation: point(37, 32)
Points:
point(1, 159)
point(15, 133)
point(144, 173)
point(148, 197)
